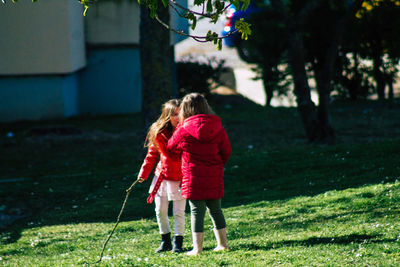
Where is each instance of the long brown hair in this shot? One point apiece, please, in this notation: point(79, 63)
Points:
point(163, 122)
point(193, 104)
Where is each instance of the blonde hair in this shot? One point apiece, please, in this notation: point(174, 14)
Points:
point(163, 122)
point(193, 104)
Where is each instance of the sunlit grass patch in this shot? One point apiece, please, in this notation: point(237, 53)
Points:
point(357, 226)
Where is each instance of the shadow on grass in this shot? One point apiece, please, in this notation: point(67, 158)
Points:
point(315, 241)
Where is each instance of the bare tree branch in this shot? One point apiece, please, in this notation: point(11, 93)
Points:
point(172, 2)
point(202, 39)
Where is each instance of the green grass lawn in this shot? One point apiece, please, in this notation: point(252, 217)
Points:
point(286, 202)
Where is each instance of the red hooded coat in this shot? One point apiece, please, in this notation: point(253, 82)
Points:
point(169, 164)
point(205, 149)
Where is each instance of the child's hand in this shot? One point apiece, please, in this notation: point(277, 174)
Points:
point(140, 180)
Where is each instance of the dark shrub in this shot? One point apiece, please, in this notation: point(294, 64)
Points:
point(198, 75)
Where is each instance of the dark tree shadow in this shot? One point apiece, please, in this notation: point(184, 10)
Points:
point(315, 241)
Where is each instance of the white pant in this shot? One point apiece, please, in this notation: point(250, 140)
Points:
point(170, 191)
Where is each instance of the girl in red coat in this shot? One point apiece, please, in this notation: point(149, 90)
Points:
point(204, 147)
point(166, 185)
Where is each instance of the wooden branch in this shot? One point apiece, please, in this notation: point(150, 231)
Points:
point(196, 38)
point(172, 2)
point(176, 10)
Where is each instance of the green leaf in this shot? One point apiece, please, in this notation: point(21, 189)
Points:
point(85, 11)
point(209, 6)
point(244, 28)
point(194, 22)
point(85, 3)
point(153, 6)
point(214, 19)
point(198, 2)
point(186, 15)
point(153, 13)
point(219, 45)
point(215, 40)
point(209, 35)
point(165, 3)
point(245, 5)
point(191, 16)
point(219, 5)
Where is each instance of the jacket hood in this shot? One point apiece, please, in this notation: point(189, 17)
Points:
point(203, 127)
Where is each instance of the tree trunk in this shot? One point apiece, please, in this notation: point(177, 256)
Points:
point(156, 64)
point(268, 89)
point(305, 106)
point(324, 76)
point(355, 89)
point(378, 74)
point(324, 131)
point(317, 124)
point(391, 92)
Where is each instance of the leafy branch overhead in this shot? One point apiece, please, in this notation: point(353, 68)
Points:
point(211, 10)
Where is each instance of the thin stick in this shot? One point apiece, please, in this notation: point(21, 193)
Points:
point(128, 191)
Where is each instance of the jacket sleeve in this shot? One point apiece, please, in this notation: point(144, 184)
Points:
point(162, 142)
point(149, 162)
point(174, 143)
point(225, 147)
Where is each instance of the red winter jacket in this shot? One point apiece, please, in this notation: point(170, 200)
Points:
point(169, 164)
point(205, 149)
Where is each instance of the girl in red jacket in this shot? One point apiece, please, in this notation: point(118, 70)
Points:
point(166, 185)
point(204, 147)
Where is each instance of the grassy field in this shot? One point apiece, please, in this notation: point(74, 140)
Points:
point(286, 202)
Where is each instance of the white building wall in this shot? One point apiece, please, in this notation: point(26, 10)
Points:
point(117, 22)
point(45, 37)
point(113, 22)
